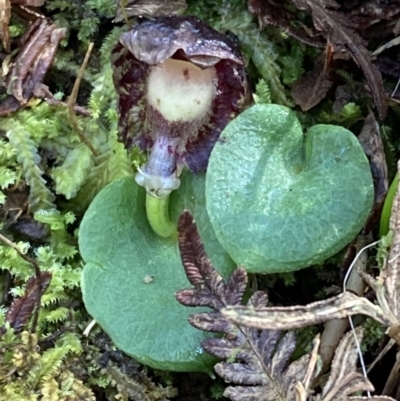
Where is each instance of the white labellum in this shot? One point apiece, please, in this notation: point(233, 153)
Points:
point(180, 90)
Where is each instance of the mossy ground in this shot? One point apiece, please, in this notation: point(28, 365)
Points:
point(48, 177)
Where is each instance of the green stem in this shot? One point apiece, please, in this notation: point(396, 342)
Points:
point(158, 216)
point(387, 207)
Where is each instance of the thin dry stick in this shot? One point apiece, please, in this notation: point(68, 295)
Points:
point(72, 100)
point(335, 329)
point(385, 350)
point(313, 363)
point(303, 387)
point(38, 275)
point(361, 268)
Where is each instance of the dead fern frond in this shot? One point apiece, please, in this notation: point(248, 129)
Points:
point(257, 360)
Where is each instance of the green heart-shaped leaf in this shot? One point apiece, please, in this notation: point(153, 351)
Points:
point(280, 201)
point(131, 275)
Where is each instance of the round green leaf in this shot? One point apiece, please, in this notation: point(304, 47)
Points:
point(280, 201)
point(131, 275)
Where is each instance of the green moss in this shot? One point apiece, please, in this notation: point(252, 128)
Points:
point(49, 177)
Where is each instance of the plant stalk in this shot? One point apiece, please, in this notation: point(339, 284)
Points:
point(158, 216)
point(387, 207)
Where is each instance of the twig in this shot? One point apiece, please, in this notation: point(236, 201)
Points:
point(89, 328)
point(38, 275)
point(312, 364)
point(43, 92)
point(72, 100)
point(77, 109)
point(385, 350)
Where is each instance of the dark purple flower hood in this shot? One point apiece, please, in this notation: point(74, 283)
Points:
point(179, 82)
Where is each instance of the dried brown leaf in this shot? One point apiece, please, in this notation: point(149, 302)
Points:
point(5, 15)
point(276, 13)
point(15, 215)
point(344, 365)
point(44, 61)
point(312, 86)
point(392, 281)
point(287, 318)
point(31, 64)
point(27, 56)
point(343, 381)
point(296, 373)
point(335, 27)
point(22, 308)
point(350, 384)
point(370, 13)
point(372, 144)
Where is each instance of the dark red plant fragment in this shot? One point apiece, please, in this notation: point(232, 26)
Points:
point(22, 308)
